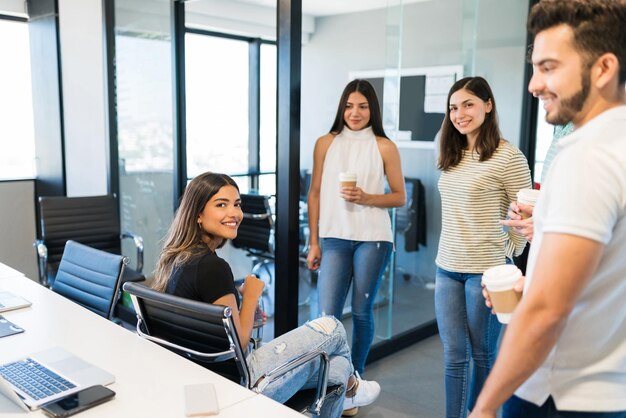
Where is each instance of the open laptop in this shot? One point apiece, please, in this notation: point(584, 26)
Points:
point(62, 374)
point(10, 301)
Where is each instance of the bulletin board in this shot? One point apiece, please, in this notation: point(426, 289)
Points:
point(422, 98)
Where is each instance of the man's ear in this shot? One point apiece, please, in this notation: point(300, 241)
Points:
point(605, 70)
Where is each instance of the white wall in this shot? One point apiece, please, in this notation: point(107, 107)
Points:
point(84, 99)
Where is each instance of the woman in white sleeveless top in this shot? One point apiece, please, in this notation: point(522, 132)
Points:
point(353, 222)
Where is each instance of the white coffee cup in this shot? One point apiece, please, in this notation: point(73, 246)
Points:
point(527, 197)
point(499, 282)
point(347, 179)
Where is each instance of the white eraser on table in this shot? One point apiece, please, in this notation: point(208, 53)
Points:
point(200, 400)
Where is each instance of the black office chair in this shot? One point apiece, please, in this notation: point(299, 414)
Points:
point(90, 277)
point(256, 231)
point(91, 220)
point(206, 334)
point(255, 235)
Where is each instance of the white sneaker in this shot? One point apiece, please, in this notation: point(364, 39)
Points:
point(366, 393)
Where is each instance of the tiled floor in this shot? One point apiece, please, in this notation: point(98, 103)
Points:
point(411, 381)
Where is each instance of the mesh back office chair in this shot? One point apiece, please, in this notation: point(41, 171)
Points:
point(90, 277)
point(91, 220)
point(206, 334)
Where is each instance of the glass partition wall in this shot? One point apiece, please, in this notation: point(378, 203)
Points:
point(411, 50)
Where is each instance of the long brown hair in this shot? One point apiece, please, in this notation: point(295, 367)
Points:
point(366, 89)
point(453, 142)
point(185, 239)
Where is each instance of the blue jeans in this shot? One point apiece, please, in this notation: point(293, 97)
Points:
point(519, 408)
point(325, 333)
point(467, 330)
point(361, 263)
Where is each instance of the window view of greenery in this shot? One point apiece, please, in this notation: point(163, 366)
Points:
point(17, 137)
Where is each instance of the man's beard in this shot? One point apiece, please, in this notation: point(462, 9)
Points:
point(573, 104)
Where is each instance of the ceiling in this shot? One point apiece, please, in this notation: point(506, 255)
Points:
point(334, 7)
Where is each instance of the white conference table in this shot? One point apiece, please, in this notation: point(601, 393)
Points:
point(149, 379)
point(6, 271)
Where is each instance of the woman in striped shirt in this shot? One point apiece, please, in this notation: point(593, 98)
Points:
point(481, 175)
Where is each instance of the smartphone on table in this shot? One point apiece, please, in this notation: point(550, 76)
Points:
point(79, 401)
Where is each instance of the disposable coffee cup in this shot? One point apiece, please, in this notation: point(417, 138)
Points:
point(527, 197)
point(347, 179)
point(499, 282)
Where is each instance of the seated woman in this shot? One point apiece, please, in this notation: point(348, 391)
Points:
point(209, 214)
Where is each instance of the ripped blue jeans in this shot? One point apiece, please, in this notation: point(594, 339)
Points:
point(326, 333)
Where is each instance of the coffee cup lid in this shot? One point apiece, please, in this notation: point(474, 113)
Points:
point(503, 275)
point(347, 176)
point(527, 195)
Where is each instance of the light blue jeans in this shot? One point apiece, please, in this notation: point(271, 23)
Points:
point(361, 263)
point(325, 333)
point(468, 330)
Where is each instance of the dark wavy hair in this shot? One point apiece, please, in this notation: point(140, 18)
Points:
point(366, 89)
point(185, 240)
point(599, 26)
point(452, 142)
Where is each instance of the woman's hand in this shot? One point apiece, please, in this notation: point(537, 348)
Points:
point(521, 220)
point(354, 195)
point(252, 287)
point(314, 257)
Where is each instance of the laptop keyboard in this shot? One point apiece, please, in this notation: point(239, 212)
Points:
point(35, 380)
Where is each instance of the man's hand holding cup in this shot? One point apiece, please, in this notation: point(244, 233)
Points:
point(502, 290)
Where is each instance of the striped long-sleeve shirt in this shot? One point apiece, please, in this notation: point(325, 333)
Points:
point(474, 197)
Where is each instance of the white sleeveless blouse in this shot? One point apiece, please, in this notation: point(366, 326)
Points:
point(355, 152)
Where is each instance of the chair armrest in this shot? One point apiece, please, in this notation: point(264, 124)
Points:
point(216, 357)
point(256, 215)
point(322, 380)
point(42, 261)
point(138, 240)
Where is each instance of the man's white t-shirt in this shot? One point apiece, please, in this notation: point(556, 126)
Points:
point(585, 195)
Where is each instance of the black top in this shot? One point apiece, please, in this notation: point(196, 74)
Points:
point(205, 278)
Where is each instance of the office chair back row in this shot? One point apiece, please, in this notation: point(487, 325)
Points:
point(90, 277)
point(91, 220)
